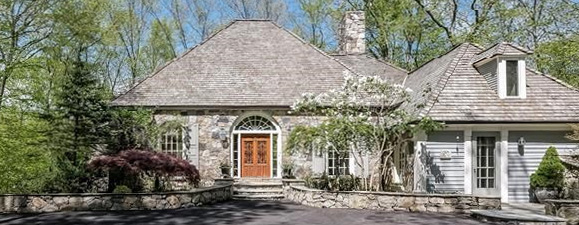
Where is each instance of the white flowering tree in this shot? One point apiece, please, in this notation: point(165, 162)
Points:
point(365, 116)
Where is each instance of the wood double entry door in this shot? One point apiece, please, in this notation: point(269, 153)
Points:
point(255, 155)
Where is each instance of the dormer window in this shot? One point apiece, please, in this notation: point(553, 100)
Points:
point(503, 67)
point(511, 77)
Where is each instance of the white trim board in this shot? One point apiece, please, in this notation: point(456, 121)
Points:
point(239, 133)
point(510, 127)
point(468, 161)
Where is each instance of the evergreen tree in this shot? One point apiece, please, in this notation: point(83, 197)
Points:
point(550, 173)
point(82, 125)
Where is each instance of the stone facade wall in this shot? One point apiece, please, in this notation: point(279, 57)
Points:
point(352, 33)
point(568, 209)
point(391, 201)
point(110, 202)
point(211, 150)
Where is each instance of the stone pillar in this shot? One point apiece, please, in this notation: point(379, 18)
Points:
point(352, 33)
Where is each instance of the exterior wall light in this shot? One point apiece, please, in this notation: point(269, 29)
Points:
point(223, 137)
point(522, 141)
point(222, 121)
point(521, 146)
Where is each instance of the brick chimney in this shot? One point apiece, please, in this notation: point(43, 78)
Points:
point(352, 33)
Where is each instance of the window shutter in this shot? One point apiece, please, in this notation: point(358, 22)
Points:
point(194, 145)
point(359, 170)
point(318, 162)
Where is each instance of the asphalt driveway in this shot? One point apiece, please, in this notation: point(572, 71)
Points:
point(241, 213)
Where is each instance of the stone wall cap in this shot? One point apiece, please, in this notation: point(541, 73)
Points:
point(292, 180)
point(562, 201)
point(197, 190)
point(396, 193)
point(224, 179)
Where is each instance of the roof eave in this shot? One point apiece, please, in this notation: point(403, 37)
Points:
point(203, 107)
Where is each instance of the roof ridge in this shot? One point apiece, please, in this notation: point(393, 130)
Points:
point(559, 81)
point(479, 46)
point(374, 58)
point(387, 63)
point(316, 49)
point(160, 68)
point(443, 81)
point(253, 19)
point(440, 56)
point(486, 49)
point(518, 47)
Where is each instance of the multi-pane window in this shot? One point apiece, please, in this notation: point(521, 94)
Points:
point(274, 153)
point(235, 154)
point(172, 143)
point(338, 164)
point(403, 156)
point(512, 78)
point(485, 162)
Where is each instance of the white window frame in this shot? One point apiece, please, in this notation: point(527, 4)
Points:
point(348, 165)
point(502, 76)
point(171, 132)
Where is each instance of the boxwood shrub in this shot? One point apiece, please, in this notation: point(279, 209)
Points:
point(550, 173)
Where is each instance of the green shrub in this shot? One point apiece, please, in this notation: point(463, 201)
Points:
point(341, 183)
point(550, 173)
point(344, 183)
point(122, 189)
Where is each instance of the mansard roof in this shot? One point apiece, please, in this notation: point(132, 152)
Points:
point(249, 63)
point(450, 89)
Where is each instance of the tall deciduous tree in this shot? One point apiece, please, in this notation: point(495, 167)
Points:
point(275, 10)
point(24, 25)
point(560, 58)
point(194, 20)
point(159, 47)
point(130, 21)
point(318, 21)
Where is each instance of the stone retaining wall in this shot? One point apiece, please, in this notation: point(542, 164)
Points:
point(391, 201)
point(39, 203)
point(568, 209)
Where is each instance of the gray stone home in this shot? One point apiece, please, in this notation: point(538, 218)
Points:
point(234, 90)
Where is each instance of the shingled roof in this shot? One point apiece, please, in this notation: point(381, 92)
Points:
point(502, 48)
point(249, 63)
point(370, 66)
point(456, 92)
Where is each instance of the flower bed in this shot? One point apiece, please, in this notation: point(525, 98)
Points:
point(38, 203)
point(391, 201)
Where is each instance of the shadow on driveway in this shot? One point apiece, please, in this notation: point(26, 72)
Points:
point(240, 213)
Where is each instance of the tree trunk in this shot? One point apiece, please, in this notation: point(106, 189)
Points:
point(2, 89)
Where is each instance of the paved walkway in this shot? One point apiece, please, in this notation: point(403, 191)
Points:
point(242, 212)
point(519, 213)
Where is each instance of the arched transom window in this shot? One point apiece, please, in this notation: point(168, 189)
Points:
point(255, 123)
point(250, 135)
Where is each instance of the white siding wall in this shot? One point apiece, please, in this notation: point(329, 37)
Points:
point(444, 175)
point(489, 72)
point(524, 162)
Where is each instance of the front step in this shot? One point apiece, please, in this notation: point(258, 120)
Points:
point(509, 217)
point(258, 197)
point(258, 189)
